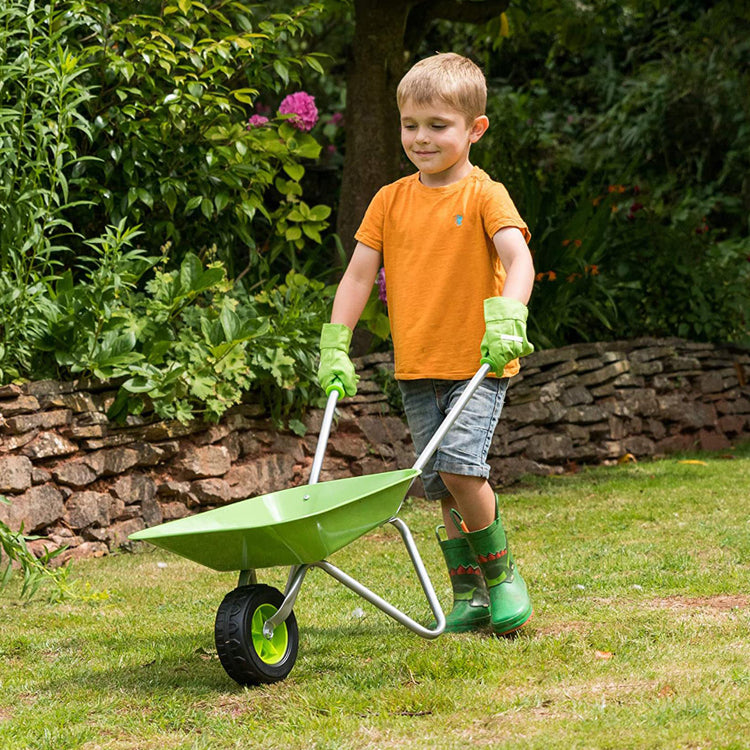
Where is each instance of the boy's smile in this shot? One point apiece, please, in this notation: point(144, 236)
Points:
point(437, 139)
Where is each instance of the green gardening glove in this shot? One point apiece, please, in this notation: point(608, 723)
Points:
point(505, 332)
point(336, 371)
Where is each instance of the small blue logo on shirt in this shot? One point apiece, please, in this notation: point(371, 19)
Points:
point(459, 220)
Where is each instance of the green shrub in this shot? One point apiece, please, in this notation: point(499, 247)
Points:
point(647, 96)
point(36, 571)
point(189, 345)
point(676, 281)
point(108, 119)
point(576, 293)
point(173, 152)
point(41, 99)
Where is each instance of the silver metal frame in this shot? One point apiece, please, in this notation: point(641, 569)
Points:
point(297, 573)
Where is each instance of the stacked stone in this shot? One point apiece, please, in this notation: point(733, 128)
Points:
point(601, 402)
point(80, 481)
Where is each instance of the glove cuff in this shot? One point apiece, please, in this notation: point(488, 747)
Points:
point(335, 336)
point(504, 308)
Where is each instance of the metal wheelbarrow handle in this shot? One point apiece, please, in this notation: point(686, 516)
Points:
point(325, 431)
point(451, 417)
point(430, 448)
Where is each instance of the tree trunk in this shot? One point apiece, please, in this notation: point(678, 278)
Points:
point(372, 130)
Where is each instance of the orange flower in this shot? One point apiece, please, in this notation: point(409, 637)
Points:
point(551, 275)
point(565, 243)
point(593, 270)
point(573, 277)
point(597, 200)
point(578, 243)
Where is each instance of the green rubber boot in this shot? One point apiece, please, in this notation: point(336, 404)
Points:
point(471, 603)
point(510, 605)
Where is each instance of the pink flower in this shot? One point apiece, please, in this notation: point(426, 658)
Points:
point(336, 118)
point(256, 121)
point(381, 286)
point(302, 105)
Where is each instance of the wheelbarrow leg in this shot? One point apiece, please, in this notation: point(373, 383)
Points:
point(387, 607)
point(247, 578)
point(296, 576)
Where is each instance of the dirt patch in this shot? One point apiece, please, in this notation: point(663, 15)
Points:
point(719, 603)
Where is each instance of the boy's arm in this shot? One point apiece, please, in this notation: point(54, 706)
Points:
point(505, 317)
point(356, 285)
point(516, 259)
point(336, 370)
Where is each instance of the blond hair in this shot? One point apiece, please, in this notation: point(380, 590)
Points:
point(447, 77)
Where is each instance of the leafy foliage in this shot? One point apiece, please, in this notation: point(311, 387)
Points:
point(41, 95)
point(148, 235)
point(639, 97)
point(572, 299)
point(187, 345)
point(110, 119)
point(36, 571)
point(171, 144)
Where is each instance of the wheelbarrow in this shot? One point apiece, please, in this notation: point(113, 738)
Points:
point(256, 631)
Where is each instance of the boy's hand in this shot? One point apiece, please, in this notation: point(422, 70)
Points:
point(505, 332)
point(336, 370)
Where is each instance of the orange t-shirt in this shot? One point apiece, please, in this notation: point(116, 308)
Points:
point(440, 266)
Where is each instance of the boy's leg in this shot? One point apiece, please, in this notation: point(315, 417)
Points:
point(472, 510)
point(425, 408)
point(472, 497)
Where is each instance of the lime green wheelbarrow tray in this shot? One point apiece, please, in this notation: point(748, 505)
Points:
point(255, 630)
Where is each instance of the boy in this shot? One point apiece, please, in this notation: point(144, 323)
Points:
point(458, 276)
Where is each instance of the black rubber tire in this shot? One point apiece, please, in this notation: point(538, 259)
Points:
point(233, 634)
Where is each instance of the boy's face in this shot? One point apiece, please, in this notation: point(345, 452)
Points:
point(437, 138)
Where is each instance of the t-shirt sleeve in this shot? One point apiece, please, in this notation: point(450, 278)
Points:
point(499, 211)
point(371, 229)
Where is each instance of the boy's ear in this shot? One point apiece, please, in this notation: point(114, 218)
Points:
point(479, 128)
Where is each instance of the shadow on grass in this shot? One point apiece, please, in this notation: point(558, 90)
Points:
point(187, 663)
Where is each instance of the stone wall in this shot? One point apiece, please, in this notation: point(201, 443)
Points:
point(593, 403)
point(78, 480)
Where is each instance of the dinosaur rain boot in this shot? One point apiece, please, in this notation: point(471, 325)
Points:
point(471, 604)
point(510, 605)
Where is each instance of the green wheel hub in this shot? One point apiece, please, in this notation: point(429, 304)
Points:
point(272, 650)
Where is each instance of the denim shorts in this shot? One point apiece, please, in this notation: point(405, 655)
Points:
point(464, 449)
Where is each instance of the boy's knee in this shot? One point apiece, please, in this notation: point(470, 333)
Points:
point(460, 484)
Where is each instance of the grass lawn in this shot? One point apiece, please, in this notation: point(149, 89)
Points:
point(641, 636)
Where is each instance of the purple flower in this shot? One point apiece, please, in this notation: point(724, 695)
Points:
point(256, 121)
point(302, 105)
point(382, 296)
